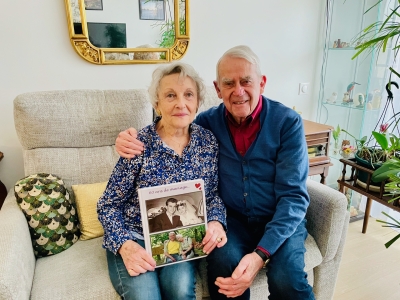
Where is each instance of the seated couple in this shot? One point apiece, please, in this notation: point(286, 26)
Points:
point(266, 197)
point(178, 248)
point(178, 213)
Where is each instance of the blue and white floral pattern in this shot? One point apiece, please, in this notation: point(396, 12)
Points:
point(118, 208)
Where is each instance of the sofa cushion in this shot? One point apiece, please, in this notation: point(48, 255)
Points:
point(50, 213)
point(86, 197)
point(79, 273)
point(78, 118)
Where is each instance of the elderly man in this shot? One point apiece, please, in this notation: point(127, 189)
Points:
point(172, 248)
point(263, 168)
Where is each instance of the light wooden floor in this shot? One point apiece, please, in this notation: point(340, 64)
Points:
point(368, 270)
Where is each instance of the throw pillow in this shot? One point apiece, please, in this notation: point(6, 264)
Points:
point(50, 213)
point(86, 197)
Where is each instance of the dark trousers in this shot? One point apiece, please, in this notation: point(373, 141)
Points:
point(286, 276)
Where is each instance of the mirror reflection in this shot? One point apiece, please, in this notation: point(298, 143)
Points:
point(141, 31)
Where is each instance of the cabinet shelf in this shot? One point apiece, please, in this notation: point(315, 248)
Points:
point(348, 106)
point(339, 71)
point(342, 49)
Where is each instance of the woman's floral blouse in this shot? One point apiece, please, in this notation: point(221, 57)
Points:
point(118, 208)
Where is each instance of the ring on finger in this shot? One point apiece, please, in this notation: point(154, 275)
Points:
point(219, 240)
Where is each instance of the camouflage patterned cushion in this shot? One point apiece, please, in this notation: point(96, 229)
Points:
point(52, 219)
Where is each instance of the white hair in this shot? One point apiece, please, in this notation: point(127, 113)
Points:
point(244, 52)
point(175, 68)
point(178, 236)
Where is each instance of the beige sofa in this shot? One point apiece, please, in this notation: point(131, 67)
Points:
point(72, 134)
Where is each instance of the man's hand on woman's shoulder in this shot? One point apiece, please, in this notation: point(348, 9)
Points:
point(127, 144)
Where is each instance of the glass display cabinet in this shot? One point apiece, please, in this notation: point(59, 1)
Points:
point(351, 89)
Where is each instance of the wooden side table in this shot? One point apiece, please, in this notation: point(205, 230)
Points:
point(317, 138)
point(353, 184)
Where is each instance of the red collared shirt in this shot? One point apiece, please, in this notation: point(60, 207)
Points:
point(245, 133)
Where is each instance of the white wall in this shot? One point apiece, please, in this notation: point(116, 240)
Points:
point(36, 55)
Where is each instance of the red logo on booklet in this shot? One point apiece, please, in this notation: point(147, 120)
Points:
point(198, 186)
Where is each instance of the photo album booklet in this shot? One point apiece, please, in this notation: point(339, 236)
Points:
point(174, 221)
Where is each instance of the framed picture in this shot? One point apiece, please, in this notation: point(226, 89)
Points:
point(152, 9)
point(107, 35)
point(94, 4)
point(174, 214)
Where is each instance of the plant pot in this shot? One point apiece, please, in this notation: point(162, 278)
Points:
point(346, 155)
point(363, 176)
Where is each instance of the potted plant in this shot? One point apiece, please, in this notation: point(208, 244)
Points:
point(379, 35)
point(382, 36)
point(386, 147)
point(389, 170)
point(347, 151)
point(167, 27)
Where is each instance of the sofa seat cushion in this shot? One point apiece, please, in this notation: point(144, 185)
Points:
point(313, 256)
point(79, 273)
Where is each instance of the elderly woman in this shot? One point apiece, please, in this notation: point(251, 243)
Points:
point(187, 250)
point(175, 150)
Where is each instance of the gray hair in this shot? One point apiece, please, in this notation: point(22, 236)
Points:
point(178, 236)
point(175, 68)
point(244, 52)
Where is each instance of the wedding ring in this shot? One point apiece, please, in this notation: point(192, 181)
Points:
point(219, 240)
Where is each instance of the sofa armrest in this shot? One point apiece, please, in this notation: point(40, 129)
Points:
point(17, 260)
point(325, 217)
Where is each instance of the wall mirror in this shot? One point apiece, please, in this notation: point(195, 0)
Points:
point(128, 31)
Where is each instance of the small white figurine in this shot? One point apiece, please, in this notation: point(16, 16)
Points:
point(332, 99)
point(376, 100)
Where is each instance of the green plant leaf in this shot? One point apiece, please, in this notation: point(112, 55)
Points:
point(381, 139)
point(393, 199)
point(388, 18)
point(388, 244)
point(396, 224)
point(336, 133)
point(345, 131)
point(389, 169)
point(373, 6)
point(393, 219)
point(394, 71)
point(383, 172)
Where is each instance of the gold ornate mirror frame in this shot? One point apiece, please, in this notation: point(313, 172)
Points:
point(114, 56)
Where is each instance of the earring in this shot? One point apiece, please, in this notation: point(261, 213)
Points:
point(158, 112)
